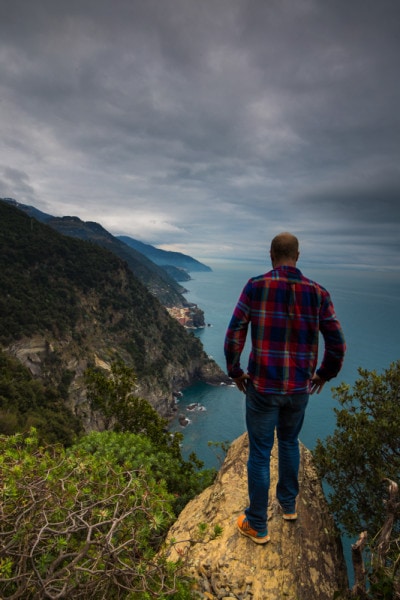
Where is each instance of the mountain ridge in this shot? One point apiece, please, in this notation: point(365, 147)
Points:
point(67, 304)
point(155, 278)
point(161, 258)
point(165, 257)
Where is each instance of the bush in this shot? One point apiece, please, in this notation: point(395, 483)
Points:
point(364, 449)
point(112, 394)
point(77, 525)
point(361, 463)
point(132, 452)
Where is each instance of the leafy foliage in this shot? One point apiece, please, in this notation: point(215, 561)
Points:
point(364, 449)
point(40, 273)
point(220, 450)
point(152, 445)
point(86, 521)
point(80, 525)
point(114, 397)
point(358, 461)
point(25, 402)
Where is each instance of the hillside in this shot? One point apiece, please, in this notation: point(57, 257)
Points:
point(158, 280)
point(67, 303)
point(165, 257)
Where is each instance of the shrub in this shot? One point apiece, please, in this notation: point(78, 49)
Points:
point(364, 449)
point(358, 461)
point(77, 525)
point(112, 394)
point(132, 452)
point(27, 402)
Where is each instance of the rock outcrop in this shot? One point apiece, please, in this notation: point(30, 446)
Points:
point(49, 358)
point(303, 560)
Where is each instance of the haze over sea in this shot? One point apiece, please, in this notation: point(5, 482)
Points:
point(367, 305)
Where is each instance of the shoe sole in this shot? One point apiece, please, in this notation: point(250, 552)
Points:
point(290, 517)
point(261, 540)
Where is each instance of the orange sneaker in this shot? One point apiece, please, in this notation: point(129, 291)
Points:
point(289, 516)
point(259, 537)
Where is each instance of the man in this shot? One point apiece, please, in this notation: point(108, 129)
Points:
point(286, 311)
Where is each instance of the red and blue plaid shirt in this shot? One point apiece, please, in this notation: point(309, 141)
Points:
point(286, 311)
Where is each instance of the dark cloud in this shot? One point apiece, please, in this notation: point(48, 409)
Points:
point(208, 125)
point(14, 182)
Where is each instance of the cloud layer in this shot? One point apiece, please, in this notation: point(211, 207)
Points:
point(208, 126)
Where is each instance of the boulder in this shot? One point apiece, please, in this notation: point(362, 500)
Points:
point(303, 560)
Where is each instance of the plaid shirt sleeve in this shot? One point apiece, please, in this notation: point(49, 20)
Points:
point(335, 345)
point(237, 332)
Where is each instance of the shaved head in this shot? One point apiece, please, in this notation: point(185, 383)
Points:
point(284, 248)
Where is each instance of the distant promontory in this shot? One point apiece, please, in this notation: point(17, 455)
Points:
point(165, 257)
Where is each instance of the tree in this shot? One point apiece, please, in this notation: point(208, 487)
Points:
point(113, 396)
point(359, 459)
point(364, 450)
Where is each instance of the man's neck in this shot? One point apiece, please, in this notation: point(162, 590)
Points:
point(284, 263)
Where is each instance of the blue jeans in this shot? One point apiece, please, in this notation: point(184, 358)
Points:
point(264, 413)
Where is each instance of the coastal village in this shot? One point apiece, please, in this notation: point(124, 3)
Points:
point(190, 316)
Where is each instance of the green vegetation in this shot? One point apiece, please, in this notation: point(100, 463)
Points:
point(358, 461)
point(113, 396)
point(86, 300)
point(83, 525)
point(44, 274)
point(88, 521)
point(26, 402)
point(203, 531)
point(220, 450)
point(364, 449)
point(84, 516)
point(155, 278)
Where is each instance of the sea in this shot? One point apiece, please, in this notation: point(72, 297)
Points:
point(366, 304)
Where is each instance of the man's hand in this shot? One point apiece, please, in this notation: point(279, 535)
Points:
point(316, 384)
point(241, 382)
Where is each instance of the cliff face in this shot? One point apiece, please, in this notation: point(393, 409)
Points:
point(49, 359)
point(303, 560)
point(68, 304)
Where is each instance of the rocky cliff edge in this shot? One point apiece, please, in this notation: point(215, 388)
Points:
point(303, 560)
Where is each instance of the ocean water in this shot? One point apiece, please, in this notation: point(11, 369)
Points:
point(367, 305)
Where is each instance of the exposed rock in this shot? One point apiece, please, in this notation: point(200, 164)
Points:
point(183, 421)
point(30, 353)
point(303, 560)
point(48, 358)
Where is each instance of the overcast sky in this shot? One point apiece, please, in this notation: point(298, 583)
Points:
point(208, 126)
